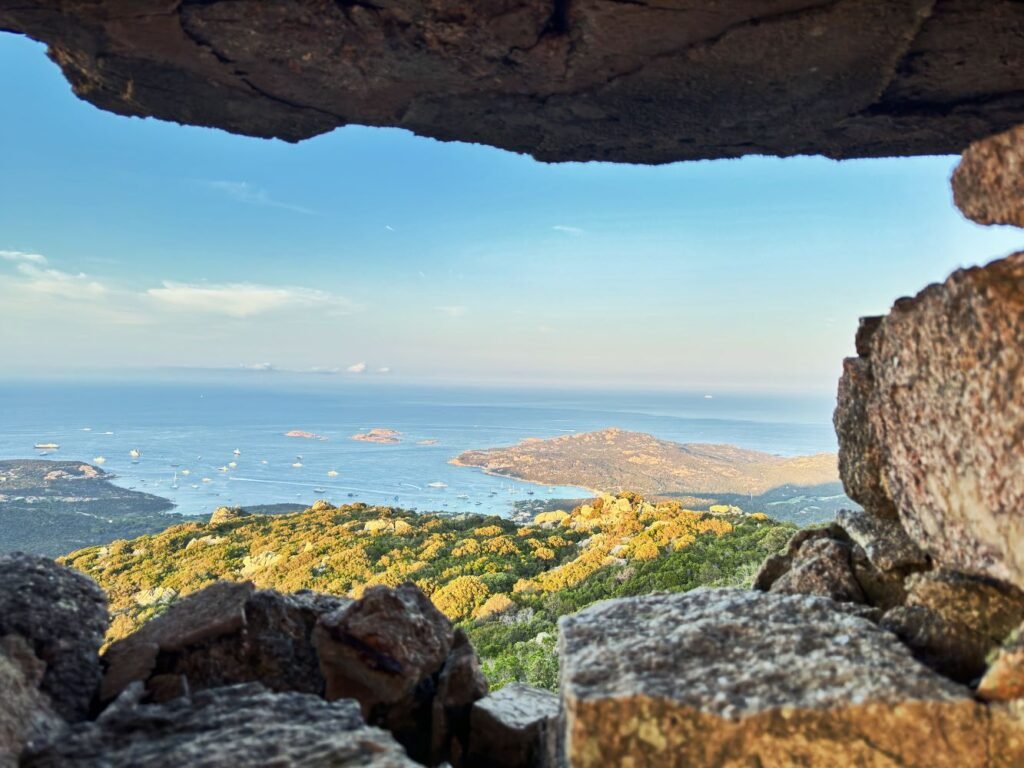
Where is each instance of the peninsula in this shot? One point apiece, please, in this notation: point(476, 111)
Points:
point(613, 460)
point(53, 507)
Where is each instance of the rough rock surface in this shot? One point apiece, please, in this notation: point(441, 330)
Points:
point(227, 633)
point(729, 677)
point(62, 616)
point(821, 567)
point(26, 714)
point(988, 185)
point(637, 81)
point(223, 728)
point(387, 651)
point(954, 622)
point(514, 728)
point(944, 399)
point(883, 540)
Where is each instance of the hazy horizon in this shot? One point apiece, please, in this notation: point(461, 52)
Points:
point(142, 247)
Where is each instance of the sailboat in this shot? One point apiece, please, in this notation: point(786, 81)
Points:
point(174, 482)
point(135, 453)
point(237, 452)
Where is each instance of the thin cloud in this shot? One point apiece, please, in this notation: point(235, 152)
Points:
point(389, 228)
point(21, 256)
point(453, 310)
point(568, 230)
point(58, 284)
point(384, 370)
point(250, 194)
point(357, 368)
point(242, 300)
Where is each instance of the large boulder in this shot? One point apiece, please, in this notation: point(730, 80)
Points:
point(514, 727)
point(988, 184)
point(223, 728)
point(730, 677)
point(938, 417)
point(62, 616)
point(226, 633)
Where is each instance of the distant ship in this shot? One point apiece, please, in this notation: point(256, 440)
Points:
point(319, 490)
point(237, 452)
point(135, 453)
point(100, 460)
point(297, 464)
point(438, 484)
point(332, 473)
point(46, 446)
point(186, 472)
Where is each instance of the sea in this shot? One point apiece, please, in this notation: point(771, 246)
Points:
point(221, 442)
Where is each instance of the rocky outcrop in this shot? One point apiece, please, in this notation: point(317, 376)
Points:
point(227, 514)
point(988, 184)
point(723, 677)
point(223, 728)
point(1004, 679)
point(515, 727)
point(646, 82)
point(934, 406)
point(61, 615)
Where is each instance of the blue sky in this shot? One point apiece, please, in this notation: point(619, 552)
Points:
point(128, 243)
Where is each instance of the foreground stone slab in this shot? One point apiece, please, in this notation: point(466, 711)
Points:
point(514, 727)
point(647, 82)
point(939, 415)
point(62, 615)
point(738, 678)
point(242, 725)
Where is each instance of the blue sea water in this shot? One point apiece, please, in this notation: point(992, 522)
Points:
point(188, 430)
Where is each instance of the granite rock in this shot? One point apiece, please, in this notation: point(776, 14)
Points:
point(942, 395)
point(731, 678)
point(62, 615)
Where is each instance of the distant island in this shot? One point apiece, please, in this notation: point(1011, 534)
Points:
point(378, 435)
point(304, 435)
point(801, 488)
point(53, 507)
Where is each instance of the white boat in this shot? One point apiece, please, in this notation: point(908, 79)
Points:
point(297, 464)
point(237, 452)
point(135, 453)
point(332, 473)
point(207, 480)
point(264, 461)
point(99, 460)
point(222, 469)
point(87, 429)
point(437, 484)
point(46, 446)
point(233, 464)
point(186, 472)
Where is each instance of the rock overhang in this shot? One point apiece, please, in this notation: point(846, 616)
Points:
point(645, 81)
